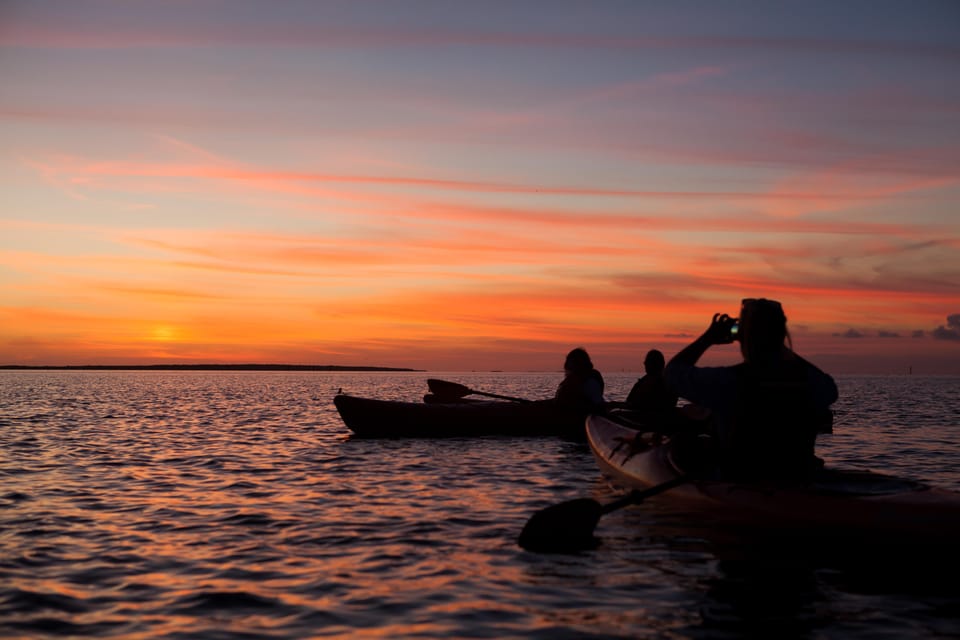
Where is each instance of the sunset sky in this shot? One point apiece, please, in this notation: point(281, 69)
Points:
point(476, 185)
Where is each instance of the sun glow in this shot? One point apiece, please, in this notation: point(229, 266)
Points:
point(165, 333)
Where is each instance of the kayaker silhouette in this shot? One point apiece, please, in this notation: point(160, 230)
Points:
point(652, 404)
point(769, 408)
point(650, 396)
point(581, 390)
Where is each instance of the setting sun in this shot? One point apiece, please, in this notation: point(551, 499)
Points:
point(164, 334)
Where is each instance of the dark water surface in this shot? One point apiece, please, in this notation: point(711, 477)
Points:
point(235, 505)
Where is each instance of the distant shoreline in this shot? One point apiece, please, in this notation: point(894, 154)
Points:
point(197, 367)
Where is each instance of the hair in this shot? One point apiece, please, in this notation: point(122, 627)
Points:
point(578, 361)
point(654, 360)
point(763, 330)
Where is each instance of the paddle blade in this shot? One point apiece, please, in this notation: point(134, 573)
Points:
point(563, 527)
point(448, 389)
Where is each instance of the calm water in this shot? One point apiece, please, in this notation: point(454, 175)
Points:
point(235, 505)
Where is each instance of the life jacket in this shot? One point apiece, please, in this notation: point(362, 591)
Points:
point(771, 433)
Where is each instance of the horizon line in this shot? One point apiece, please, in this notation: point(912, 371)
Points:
point(206, 367)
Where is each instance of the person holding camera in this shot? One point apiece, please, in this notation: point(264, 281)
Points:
point(769, 408)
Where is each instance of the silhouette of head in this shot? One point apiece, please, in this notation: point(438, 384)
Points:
point(578, 361)
point(763, 330)
point(654, 362)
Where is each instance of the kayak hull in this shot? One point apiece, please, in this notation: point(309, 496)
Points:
point(837, 501)
point(373, 418)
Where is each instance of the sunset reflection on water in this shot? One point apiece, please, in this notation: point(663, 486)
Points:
point(148, 505)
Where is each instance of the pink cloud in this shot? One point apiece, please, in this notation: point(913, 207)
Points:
point(803, 193)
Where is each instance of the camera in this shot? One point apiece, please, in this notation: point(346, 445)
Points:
point(734, 328)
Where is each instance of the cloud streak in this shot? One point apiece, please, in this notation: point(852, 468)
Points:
point(88, 174)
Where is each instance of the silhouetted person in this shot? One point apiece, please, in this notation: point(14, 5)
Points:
point(767, 409)
point(650, 398)
point(581, 389)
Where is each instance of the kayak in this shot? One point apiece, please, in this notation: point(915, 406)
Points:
point(373, 418)
point(839, 502)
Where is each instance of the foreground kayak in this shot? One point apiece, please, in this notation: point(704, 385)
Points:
point(373, 418)
point(836, 501)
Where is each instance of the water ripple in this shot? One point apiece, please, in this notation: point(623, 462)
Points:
point(236, 505)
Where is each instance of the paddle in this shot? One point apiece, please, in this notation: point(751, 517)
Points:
point(447, 389)
point(569, 526)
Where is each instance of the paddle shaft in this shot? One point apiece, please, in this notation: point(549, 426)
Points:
point(569, 525)
point(497, 395)
point(637, 496)
point(457, 390)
